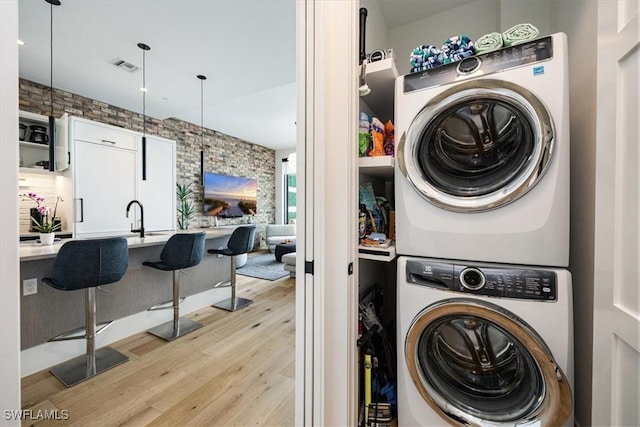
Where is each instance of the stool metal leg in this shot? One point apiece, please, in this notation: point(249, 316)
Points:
point(178, 326)
point(233, 303)
point(92, 362)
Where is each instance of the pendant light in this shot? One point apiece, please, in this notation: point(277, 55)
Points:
point(52, 120)
point(202, 79)
point(144, 48)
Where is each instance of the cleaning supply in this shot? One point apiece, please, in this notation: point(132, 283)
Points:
point(488, 43)
point(519, 34)
point(364, 135)
point(389, 139)
point(377, 138)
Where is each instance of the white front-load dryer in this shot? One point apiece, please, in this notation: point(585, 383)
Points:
point(482, 170)
point(483, 344)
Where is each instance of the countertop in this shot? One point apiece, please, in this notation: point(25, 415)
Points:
point(30, 251)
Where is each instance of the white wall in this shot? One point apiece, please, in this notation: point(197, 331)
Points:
point(534, 12)
point(577, 18)
point(376, 36)
point(472, 19)
point(9, 264)
point(281, 154)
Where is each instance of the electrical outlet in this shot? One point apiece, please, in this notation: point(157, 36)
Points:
point(30, 286)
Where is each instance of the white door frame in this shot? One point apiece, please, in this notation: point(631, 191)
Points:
point(327, 300)
point(616, 320)
point(9, 263)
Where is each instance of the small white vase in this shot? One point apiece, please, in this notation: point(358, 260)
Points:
point(47, 238)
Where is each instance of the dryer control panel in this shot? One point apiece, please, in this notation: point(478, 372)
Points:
point(488, 63)
point(494, 281)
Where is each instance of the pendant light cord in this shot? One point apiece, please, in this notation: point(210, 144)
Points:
point(202, 114)
point(144, 94)
point(51, 62)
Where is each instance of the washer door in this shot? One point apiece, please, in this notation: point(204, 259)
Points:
point(476, 363)
point(477, 146)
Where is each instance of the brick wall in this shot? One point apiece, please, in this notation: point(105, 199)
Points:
point(223, 153)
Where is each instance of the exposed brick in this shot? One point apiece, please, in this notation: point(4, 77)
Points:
point(223, 153)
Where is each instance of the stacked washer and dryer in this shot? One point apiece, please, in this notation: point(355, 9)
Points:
point(484, 302)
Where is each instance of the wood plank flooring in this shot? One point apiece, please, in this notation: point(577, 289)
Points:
point(238, 370)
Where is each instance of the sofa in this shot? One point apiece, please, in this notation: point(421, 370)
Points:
point(279, 233)
point(289, 261)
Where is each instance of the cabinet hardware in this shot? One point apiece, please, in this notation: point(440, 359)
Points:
point(108, 142)
point(81, 209)
point(308, 267)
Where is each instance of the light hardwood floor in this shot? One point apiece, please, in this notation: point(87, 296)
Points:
point(238, 370)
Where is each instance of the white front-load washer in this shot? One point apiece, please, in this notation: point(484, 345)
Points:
point(483, 344)
point(482, 170)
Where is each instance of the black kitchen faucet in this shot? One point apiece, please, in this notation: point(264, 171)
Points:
point(141, 229)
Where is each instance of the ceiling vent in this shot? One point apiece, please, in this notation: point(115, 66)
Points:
point(127, 66)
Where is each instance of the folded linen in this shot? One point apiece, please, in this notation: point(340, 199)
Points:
point(519, 34)
point(456, 48)
point(423, 58)
point(488, 42)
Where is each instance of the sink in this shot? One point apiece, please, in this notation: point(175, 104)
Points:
point(158, 233)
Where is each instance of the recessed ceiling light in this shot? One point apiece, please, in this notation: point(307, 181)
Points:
point(143, 89)
point(164, 98)
point(20, 42)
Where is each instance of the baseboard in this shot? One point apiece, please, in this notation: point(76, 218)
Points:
point(43, 356)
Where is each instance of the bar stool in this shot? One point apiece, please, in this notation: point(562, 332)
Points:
point(181, 251)
point(240, 242)
point(87, 264)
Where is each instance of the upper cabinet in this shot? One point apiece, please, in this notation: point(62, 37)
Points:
point(38, 150)
point(107, 164)
point(157, 191)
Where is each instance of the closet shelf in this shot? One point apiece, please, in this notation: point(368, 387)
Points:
point(381, 76)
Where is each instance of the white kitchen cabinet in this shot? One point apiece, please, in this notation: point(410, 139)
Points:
point(158, 192)
point(33, 153)
point(104, 177)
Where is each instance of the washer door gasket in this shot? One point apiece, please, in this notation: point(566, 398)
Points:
point(476, 363)
point(477, 146)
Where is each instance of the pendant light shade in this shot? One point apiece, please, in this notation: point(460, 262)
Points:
point(144, 48)
point(202, 79)
point(52, 120)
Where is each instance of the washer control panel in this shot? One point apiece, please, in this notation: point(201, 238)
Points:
point(487, 280)
point(504, 59)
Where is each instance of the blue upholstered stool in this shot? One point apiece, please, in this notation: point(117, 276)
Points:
point(240, 242)
point(181, 251)
point(87, 264)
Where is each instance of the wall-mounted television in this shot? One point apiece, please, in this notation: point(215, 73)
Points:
point(228, 196)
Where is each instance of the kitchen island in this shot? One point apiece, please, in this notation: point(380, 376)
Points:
point(50, 312)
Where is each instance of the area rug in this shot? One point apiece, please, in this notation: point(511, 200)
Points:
point(263, 266)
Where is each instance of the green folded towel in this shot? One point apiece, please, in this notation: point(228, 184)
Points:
point(519, 34)
point(488, 42)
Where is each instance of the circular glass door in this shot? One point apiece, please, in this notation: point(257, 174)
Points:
point(474, 362)
point(477, 146)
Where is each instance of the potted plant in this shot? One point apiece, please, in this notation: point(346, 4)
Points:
point(45, 223)
point(186, 211)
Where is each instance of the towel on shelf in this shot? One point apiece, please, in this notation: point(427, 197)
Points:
point(456, 48)
point(423, 58)
point(519, 34)
point(488, 42)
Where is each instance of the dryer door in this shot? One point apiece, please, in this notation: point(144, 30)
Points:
point(477, 146)
point(476, 363)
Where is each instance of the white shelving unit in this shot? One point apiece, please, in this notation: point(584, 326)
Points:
point(381, 76)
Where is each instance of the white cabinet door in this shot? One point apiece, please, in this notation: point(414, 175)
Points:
point(62, 143)
point(104, 182)
point(158, 192)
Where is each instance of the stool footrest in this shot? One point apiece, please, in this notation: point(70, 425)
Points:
point(223, 284)
point(76, 370)
point(165, 305)
point(166, 331)
point(79, 333)
point(232, 304)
